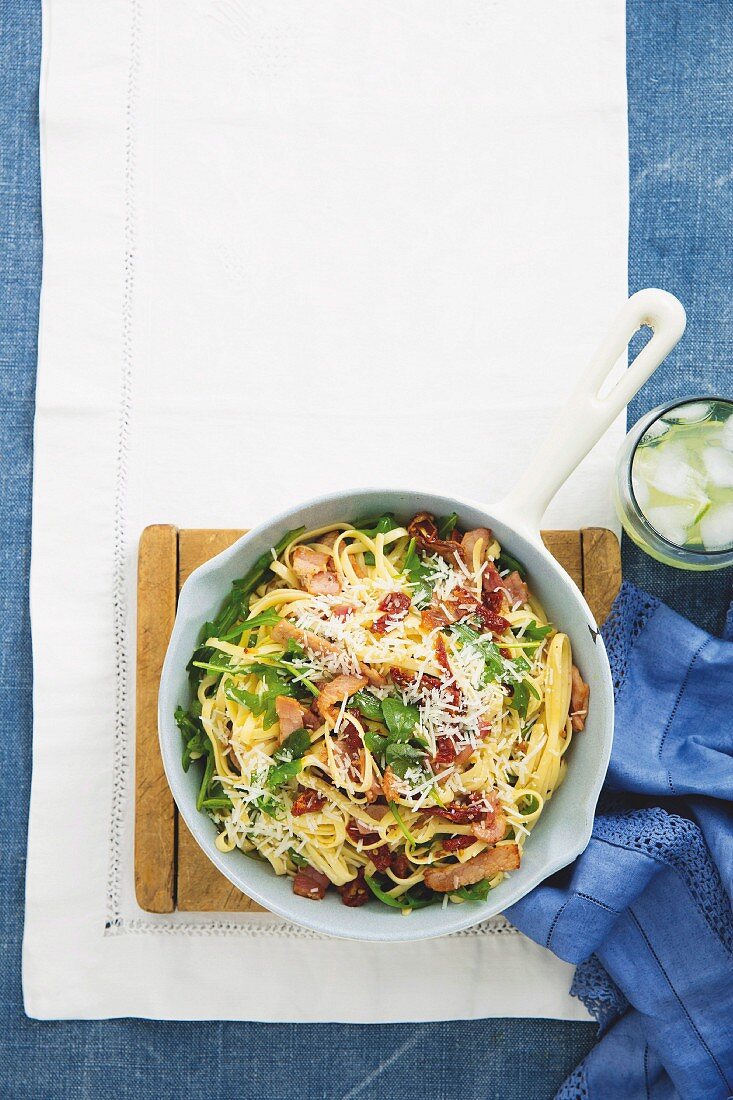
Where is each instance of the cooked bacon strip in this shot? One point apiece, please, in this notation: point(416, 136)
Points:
point(469, 541)
point(290, 715)
point(425, 533)
point(324, 584)
point(356, 892)
point(312, 720)
point(396, 607)
point(342, 610)
point(307, 801)
point(441, 656)
point(338, 689)
point(391, 785)
point(284, 631)
point(492, 828)
point(375, 791)
point(485, 865)
point(579, 696)
point(311, 569)
point(517, 589)
point(309, 883)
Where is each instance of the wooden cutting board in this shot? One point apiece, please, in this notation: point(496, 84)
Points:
point(171, 871)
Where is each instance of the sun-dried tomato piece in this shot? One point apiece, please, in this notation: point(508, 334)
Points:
point(309, 883)
point(308, 801)
point(400, 864)
point(401, 678)
point(356, 892)
point(489, 620)
point(457, 843)
point(381, 857)
point(445, 751)
point(495, 601)
point(396, 606)
point(463, 812)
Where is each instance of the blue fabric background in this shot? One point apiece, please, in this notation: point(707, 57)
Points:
point(680, 109)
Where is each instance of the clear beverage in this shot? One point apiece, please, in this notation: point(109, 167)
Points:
point(674, 490)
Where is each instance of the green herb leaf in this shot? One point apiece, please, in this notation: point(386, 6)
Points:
point(368, 705)
point(536, 633)
point(446, 525)
point(479, 891)
point(280, 774)
point(506, 561)
point(375, 743)
point(400, 823)
point(376, 525)
point(294, 747)
point(408, 900)
point(400, 718)
point(421, 576)
point(297, 858)
point(269, 617)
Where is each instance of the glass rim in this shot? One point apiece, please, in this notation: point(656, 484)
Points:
point(651, 418)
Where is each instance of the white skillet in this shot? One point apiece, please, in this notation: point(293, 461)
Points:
point(565, 826)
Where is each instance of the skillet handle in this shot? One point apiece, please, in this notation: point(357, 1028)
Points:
point(587, 415)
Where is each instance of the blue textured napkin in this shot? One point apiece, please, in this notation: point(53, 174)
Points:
point(645, 911)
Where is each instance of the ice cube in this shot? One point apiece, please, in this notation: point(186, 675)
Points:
point(641, 490)
point(673, 521)
point(656, 430)
point(691, 413)
point(671, 471)
point(719, 465)
point(716, 527)
point(726, 436)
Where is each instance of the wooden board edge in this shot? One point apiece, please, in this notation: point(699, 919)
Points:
point(155, 816)
point(601, 568)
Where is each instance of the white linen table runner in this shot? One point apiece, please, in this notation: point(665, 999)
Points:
point(290, 247)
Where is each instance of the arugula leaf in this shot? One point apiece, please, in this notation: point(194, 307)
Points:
point(479, 891)
point(369, 558)
point(408, 900)
point(269, 617)
point(221, 802)
point(530, 804)
point(376, 525)
point(421, 576)
point(297, 858)
point(494, 667)
point(536, 633)
point(520, 697)
point(400, 718)
point(401, 757)
point(400, 823)
point(294, 747)
point(266, 804)
point(375, 743)
point(446, 525)
point(236, 606)
point(368, 705)
point(195, 739)
point(506, 561)
point(279, 774)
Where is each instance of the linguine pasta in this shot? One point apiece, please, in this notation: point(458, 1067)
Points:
point(383, 709)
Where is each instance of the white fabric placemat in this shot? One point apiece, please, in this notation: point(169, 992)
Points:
point(290, 247)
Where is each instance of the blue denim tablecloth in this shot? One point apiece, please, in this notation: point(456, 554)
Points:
point(680, 107)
